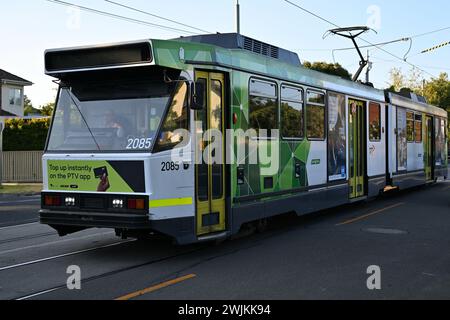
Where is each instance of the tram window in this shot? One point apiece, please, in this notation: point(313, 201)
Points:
point(374, 122)
point(315, 116)
point(337, 139)
point(410, 126)
point(440, 142)
point(418, 127)
point(292, 113)
point(262, 88)
point(177, 118)
point(291, 94)
point(216, 124)
point(263, 106)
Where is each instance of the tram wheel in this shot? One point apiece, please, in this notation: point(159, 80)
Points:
point(261, 225)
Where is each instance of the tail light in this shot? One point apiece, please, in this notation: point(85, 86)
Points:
point(136, 204)
point(52, 201)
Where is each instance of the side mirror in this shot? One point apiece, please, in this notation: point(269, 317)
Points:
point(198, 95)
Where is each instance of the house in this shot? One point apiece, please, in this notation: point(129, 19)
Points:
point(12, 94)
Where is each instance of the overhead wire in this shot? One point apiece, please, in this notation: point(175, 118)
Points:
point(121, 17)
point(362, 39)
point(155, 15)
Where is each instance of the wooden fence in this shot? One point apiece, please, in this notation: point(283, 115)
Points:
point(22, 166)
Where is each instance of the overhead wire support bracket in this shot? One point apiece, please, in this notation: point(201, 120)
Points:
point(353, 33)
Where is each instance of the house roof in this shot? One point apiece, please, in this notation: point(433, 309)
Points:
point(4, 113)
point(9, 77)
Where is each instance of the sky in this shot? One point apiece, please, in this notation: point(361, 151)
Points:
point(29, 27)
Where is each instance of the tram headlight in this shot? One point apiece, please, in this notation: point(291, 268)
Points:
point(117, 203)
point(70, 201)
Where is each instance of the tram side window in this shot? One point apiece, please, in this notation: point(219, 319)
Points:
point(418, 127)
point(315, 116)
point(263, 106)
point(441, 157)
point(292, 113)
point(177, 118)
point(410, 127)
point(447, 140)
point(374, 122)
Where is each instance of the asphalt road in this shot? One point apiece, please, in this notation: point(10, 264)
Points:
point(321, 256)
point(18, 209)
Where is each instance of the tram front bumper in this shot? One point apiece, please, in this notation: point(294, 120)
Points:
point(94, 219)
point(65, 222)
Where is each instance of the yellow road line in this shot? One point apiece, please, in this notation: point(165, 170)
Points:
point(156, 287)
point(370, 214)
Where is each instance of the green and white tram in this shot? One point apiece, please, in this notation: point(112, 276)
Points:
point(285, 138)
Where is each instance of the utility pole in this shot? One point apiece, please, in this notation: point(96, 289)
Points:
point(238, 17)
point(369, 68)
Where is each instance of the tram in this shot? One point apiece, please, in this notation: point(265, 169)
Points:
point(197, 136)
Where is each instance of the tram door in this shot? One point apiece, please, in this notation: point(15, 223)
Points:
point(428, 145)
point(210, 156)
point(357, 149)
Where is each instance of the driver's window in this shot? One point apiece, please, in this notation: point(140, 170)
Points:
point(177, 118)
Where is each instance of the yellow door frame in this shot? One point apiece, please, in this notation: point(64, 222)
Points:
point(211, 210)
point(357, 148)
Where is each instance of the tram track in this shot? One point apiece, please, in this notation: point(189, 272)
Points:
point(275, 230)
point(29, 237)
point(110, 273)
point(28, 263)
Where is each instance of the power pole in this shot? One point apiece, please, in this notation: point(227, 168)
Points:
point(238, 17)
point(369, 68)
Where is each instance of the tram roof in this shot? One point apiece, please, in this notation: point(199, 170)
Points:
point(229, 51)
point(167, 52)
point(415, 105)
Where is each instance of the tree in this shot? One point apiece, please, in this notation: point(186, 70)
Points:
point(48, 109)
point(329, 68)
point(28, 107)
point(411, 82)
point(437, 91)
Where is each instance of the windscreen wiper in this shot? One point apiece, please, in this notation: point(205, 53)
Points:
point(71, 95)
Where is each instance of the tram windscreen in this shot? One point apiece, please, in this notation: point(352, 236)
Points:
point(109, 118)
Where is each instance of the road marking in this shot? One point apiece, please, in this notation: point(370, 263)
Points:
point(156, 287)
point(63, 255)
point(18, 225)
point(370, 214)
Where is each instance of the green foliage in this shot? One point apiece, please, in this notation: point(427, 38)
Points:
point(25, 135)
point(28, 107)
point(437, 91)
point(329, 68)
point(48, 109)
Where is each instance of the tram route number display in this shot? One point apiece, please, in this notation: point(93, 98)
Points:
point(139, 144)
